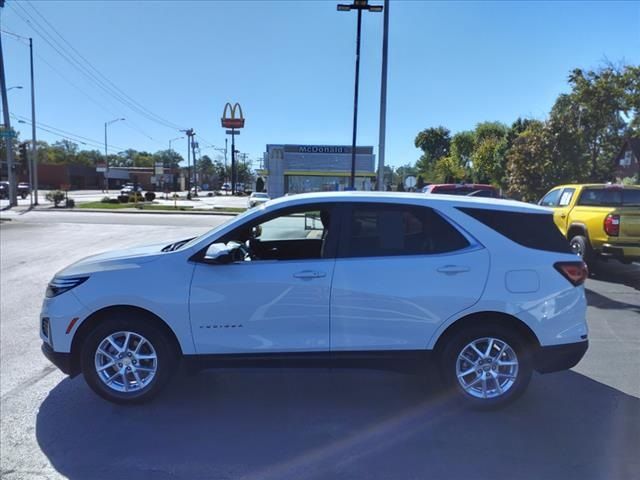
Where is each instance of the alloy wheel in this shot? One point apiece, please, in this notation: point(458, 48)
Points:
point(126, 361)
point(487, 368)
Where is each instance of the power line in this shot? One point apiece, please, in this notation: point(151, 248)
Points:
point(161, 119)
point(130, 124)
point(59, 48)
point(64, 133)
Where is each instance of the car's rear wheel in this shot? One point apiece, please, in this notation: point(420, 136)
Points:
point(580, 246)
point(127, 360)
point(487, 366)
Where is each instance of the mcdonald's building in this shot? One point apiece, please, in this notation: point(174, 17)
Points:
point(289, 169)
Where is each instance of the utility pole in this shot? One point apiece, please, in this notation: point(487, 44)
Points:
point(11, 172)
point(194, 145)
point(189, 133)
point(383, 98)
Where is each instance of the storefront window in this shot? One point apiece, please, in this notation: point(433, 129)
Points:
point(313, 183)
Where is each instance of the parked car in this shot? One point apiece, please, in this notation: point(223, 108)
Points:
point(486, 290)
point(599, 220)
point(129, 188)
point(23, 190)
point(257, 198)
point(477, 189)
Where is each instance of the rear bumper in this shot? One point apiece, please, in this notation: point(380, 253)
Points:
point(559, 357)
point(61, 360)
point(628, 252)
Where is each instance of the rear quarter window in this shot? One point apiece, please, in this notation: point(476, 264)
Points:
point(532, 230)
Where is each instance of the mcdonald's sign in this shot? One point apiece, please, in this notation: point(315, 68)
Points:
point(232, 116)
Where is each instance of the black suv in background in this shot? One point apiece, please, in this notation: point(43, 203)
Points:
point(23, 190)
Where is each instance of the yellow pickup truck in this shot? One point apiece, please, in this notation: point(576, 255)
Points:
point(598, 220)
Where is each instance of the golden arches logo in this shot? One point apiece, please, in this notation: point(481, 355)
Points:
point(229, 118)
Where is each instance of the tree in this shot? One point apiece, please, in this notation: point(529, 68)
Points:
point(435, 144)
point(599, 99)
point(448, 170)
point(419, 183)
point(169, 158)
point(529, 163)
point(89, 157)
point(488, 157)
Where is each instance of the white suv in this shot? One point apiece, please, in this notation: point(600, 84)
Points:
point(487, 290)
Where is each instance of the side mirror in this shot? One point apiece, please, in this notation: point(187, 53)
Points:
point(220, 253)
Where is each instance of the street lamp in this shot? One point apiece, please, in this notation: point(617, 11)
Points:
point(359, 6)
point(106, 153)
point(17, 87)
point(173, 140)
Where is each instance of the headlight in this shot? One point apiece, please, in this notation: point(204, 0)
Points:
point(61, 285)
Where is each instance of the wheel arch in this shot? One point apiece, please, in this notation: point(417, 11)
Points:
point(477, 318)
point(577, 229)
point(92, 320)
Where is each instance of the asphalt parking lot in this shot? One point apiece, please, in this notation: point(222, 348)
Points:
point(584, 423)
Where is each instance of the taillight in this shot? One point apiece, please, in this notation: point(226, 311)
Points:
point(575, 272)
point(612, 225)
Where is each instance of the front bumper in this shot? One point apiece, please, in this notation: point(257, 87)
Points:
point(61, 360)
point(559, 357)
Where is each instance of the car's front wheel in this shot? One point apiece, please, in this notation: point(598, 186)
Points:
point(488, 367)
point(127, 361)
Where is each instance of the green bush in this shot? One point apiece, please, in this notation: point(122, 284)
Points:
point(136, 197)
point(105, 200)
point(55, 196)
point(149, 196)
point(123, 198)
point(114, 200)
point(70, 203)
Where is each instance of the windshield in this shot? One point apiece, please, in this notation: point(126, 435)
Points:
point(237, 218)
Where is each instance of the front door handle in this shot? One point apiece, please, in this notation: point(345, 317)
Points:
point(309, 274)
point(453, 269)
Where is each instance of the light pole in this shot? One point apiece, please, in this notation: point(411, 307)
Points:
point(383, 98)
point(7, 131)
point(173, 140)
point(17, 87)
point(106, 152)
point(359, 6)
point(34, 152)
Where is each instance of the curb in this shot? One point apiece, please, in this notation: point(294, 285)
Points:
point(138, 211)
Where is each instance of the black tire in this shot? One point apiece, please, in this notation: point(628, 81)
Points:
point(23, 195)
point(581, 246)
point(165, 351)
point(457, 343)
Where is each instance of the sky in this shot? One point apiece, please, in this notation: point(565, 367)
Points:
point(290, 64)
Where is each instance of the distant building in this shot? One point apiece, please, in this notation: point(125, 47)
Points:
point(314, 168)
point(78, 177)
point(627, 162)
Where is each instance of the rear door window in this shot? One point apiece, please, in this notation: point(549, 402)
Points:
point(631, 197)
point(565, 198)
point(533, 230)
point(601, 197)
point(375, 230)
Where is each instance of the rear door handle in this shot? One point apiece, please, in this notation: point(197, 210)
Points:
point(309, 274)
point(453, 269)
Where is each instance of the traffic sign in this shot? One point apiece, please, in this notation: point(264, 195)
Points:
point(8, 133)
point(410, 181)
point(233, 132)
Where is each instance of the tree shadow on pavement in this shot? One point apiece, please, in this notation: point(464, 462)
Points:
point(296, 424)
